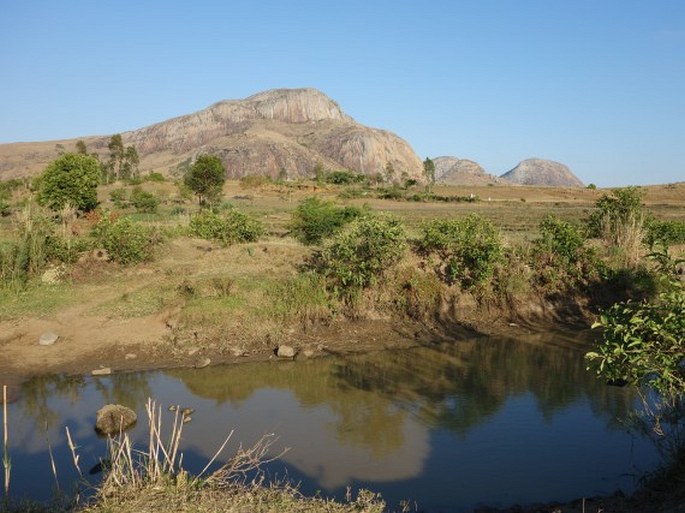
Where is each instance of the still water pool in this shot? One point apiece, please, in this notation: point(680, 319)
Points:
point(450, 426)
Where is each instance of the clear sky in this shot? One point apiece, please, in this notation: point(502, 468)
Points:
point(596, 84)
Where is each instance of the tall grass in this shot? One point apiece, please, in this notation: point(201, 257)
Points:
point(6, 463)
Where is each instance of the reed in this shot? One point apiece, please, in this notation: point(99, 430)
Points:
point(161, 461)
point(6, 463)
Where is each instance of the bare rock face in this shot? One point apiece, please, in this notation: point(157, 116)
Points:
point(456, 171)
point(542, 172)
point(282, 130)
point(112, 419)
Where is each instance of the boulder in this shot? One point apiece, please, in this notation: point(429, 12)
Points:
point(48, 338)
point(285, 351)
point(114, 418)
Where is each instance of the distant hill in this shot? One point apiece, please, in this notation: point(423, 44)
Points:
point(456, 171)
point(281, 130)
point(542, 172)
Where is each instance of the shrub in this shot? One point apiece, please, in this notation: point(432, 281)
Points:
point(72, 178)
point(154, 177)
point(468, 249)
point(231, 226)
point(619, 221)
point(314, 220)
point(358, 255)
point(642, 342)
point(126, 242)
point(665, 233)
point(144, 201)
point(119, 197)
point(343, 177)
point(560, 255)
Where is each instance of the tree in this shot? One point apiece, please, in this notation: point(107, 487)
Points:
point(81, 147)
point(206, 178)
point(429, 173)
point(129, 168)
point(72, 178)
point(123, 160)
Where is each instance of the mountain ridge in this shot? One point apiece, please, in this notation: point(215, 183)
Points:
point(270, 132)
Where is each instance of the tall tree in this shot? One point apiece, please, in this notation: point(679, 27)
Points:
point(123, 160)
point(429, 173)
point(206, 178)
point(81, 147)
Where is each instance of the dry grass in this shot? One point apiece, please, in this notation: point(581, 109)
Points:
point(153, 479)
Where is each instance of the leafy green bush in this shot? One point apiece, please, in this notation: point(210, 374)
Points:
point(126, 242)
point(358, 255)
point(615, 210)
point(144, 201)
point(665, 233)
point(70, 179)
point(154, 177)
point(343, 177)
point(468, 249)
point(560, 255)
point(619, 221)
point(314, 219)
point(119, 197)
point(643, 342)
point(230, 226)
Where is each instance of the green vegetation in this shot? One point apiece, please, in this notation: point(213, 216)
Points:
point(229, 227)
point(360, 254)
point(205, 178)
point(561, 257)
point(314, 219)
point(429, 174)
point(125, 241)
point(70, 179)
point(123, 161)
point(468, 249)
point(643, 342)
point(144, 201)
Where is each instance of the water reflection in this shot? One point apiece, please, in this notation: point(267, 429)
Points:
point(453, 425)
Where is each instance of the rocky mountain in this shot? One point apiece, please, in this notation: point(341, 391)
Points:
point(282, 130)
point(455, 171)
point(542, 172)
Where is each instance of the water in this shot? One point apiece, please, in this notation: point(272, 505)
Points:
point(451, 426)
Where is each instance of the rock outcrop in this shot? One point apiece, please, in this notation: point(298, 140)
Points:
point(542, 172)
point(279, 131)
point(456, 171)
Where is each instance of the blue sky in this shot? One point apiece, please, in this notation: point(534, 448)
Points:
point(596, 84)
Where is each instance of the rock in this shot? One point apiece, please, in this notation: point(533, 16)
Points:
point(308, 353)
point(193, 351)
point(201, 364)
point(48, 338)
point(235, 351)
point(284, 351)
point(114, 418)
point(542, 172)
point(130, 356)
point(53, 275)
point(102, 371)
point(456, 171)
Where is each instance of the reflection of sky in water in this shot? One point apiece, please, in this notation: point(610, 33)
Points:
point(494, 422)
